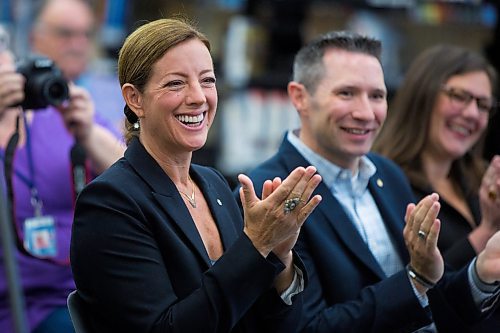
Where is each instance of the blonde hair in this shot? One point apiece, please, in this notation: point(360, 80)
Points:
point(143, 48)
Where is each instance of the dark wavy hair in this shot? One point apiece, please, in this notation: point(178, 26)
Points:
point(406, 130)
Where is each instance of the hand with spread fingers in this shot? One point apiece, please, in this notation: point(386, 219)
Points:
point(283, 249)
point(274, 222)
point(421, 235)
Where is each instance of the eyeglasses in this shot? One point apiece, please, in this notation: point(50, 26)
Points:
point(461, 98)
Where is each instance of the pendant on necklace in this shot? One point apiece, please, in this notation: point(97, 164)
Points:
point(190, 198)
point(191, 201)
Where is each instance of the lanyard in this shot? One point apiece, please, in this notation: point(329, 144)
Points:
point(8, 159)
point(18, 173)
point(8, 162)
point(35, 200)
point(81, 173)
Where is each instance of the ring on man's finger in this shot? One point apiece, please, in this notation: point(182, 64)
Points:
point(422, 234)
point(291, 204)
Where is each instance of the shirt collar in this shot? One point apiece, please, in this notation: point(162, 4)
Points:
point(330, 172)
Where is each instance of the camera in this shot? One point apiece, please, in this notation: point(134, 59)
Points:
point(44, 85)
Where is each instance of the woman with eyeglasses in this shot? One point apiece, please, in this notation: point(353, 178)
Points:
point(435, 124)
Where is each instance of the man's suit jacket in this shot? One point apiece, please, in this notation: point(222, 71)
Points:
point(347, 290)
point(140, 265)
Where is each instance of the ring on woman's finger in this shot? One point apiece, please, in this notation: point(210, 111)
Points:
point(492, 194)
point(422, 234)
point(291, 204)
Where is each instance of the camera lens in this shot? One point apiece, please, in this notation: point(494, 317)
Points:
point(55, 91)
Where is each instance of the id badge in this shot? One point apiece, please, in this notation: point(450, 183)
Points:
point(40, 236)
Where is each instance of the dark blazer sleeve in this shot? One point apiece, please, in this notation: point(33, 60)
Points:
point(137, 272)
point(388, 305)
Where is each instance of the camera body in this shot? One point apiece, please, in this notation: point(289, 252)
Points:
point(45, 84)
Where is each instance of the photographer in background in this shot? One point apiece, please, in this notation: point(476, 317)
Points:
point(64, 31)
point(40, 179)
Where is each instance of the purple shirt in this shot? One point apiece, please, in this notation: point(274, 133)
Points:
point(46, 284)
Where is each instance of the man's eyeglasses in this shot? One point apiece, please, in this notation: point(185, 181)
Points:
point(461, 98)
point(68, 33)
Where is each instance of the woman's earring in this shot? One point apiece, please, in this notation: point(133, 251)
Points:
point(136, 125)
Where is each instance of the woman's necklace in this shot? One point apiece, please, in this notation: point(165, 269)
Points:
point(191, 198)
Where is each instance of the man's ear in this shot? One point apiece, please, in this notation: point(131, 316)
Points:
point(299, 97)
point(133, 98)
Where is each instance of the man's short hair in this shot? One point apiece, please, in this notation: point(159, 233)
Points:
point(308, 66)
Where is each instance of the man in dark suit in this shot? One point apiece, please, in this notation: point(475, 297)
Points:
point(352, 244)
